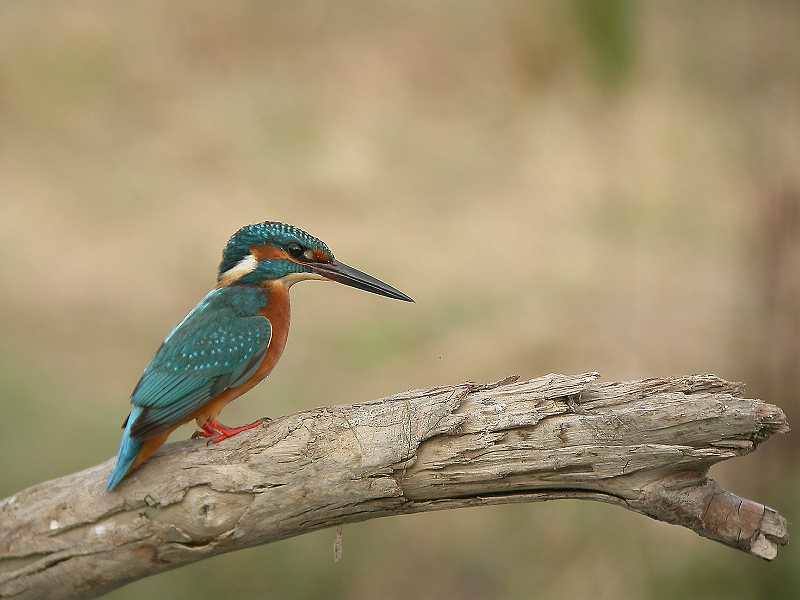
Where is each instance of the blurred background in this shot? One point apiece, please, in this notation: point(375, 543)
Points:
point(572, 185)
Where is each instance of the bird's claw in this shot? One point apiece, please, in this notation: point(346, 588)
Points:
point(216, 432)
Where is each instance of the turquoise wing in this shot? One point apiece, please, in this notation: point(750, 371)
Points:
point(219, 345)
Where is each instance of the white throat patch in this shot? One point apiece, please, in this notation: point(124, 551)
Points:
point(292, 278)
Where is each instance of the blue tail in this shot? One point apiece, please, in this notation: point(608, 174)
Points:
point(128, 449)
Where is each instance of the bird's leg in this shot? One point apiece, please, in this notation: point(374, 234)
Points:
point(218, 432)
point(205, 431)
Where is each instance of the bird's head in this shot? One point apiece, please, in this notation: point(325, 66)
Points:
point(268, 252)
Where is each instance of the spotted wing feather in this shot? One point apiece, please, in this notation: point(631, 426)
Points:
point(216, 347)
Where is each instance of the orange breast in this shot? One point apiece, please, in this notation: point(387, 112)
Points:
point(278, 313)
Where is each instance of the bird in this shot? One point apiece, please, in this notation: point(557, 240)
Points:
point(231, 340)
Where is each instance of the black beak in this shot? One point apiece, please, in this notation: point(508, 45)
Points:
point(338, 271)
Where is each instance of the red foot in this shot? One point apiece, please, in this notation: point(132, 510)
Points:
point(217, 432)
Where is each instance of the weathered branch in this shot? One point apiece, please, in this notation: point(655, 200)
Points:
point(643, 445)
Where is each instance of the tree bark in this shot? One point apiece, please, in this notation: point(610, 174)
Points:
point(643, 445)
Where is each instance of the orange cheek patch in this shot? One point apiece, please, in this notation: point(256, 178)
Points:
point(320, 256)
point(268, 252)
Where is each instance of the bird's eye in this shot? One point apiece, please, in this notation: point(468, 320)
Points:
point(295, 250)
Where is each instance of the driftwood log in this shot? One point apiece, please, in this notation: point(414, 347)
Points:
point(643, 445)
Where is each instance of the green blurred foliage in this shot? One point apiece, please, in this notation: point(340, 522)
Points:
point(469, 153)
point(609, 29)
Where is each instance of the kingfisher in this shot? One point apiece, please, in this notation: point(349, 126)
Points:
point(231, 340)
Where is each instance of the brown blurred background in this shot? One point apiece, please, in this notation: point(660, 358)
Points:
point(562, 186)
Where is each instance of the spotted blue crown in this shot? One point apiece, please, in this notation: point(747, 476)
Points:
point(268, 232)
